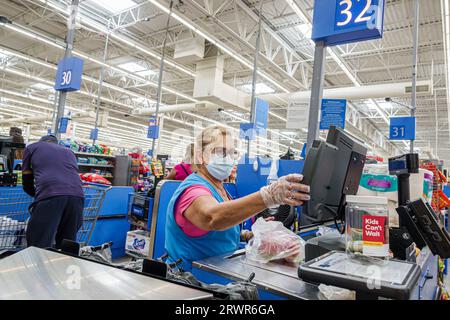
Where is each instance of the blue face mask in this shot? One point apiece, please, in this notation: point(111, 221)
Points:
point(220, 168)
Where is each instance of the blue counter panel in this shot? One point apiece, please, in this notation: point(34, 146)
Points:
point(111, 229)
point(446, 190)
point(116, 201)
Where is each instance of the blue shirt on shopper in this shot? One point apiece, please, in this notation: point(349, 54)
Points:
point(54, 169)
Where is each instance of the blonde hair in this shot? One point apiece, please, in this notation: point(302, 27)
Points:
point(189, 154)
point(210, 135)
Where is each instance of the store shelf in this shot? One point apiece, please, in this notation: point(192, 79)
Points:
point(85, 154)
point(95, 165)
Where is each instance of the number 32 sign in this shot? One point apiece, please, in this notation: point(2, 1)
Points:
point(344, 21)
point(69, 73)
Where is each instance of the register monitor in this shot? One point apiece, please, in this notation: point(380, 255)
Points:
point(333, 170)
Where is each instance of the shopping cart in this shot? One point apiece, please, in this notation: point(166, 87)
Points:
point(14, 215)
point(14, 203)
point(94, 195)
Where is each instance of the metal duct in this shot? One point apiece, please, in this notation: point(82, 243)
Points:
point(209, 85)
point(355, 93)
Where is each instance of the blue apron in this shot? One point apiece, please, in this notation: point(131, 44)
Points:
point(180, 246)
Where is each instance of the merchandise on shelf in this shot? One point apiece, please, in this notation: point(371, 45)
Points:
point(83, 160)
point(367, 226)
point(157, 168)
point(94, 178)
point(439, 200)
point(86, 148)
point(93, 160)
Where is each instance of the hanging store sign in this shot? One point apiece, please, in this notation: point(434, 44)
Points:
point(402, 128)
point(297, 115)
point(63, 124)
point(69, 74)
point(333, 113)
point(247, 131)
point(261, 117)
point(343, 21)
point(94, 134)
point(153, 128)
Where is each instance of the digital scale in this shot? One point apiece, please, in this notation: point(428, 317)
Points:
point(369, 277)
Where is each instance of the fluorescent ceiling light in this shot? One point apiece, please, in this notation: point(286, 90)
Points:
point(305, 29)
point(40, 86)
point(136, 68)
point(114, 6)
point(289, 133)
point(3, 54)
point(261, 88)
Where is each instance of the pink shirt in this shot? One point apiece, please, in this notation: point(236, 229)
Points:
point(183, 170)
point(184, 201)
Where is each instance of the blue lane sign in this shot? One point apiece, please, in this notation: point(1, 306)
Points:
point(303, 153)
point(247, 131)
point(402, 128)
point(344, 21)
point(94, 134)
point(153, 132)
point(153, 128)
point(63, 124)
point(69, 73)
point(333, 113)
point(261, 116)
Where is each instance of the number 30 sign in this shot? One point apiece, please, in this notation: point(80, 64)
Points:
point(68, 75)
point(343, 21)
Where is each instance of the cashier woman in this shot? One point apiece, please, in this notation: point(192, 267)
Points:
point(202, 220)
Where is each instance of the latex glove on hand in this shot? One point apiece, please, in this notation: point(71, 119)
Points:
point(295, 249)
point(286, 191)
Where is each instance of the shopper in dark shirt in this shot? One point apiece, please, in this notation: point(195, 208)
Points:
point(50, 175)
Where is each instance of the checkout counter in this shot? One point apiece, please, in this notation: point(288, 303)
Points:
point(39, 274)
point(333, 170)
point(273, 280)
point(281, 281)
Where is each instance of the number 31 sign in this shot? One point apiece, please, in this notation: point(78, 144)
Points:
point(402, 128)
point(69, 73)
point(344, 21)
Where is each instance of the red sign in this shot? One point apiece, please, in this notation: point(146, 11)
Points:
point(374, 229)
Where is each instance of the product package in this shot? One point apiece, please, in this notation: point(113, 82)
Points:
point(273, 241)
point(367, 226)
point(138, 242)
point(376, 181)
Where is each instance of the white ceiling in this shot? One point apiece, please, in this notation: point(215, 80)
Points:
point(31, 48)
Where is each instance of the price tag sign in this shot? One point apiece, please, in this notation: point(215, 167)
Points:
point(68, 74)
point(344, 21)
point(333, 113)
point(402, 128)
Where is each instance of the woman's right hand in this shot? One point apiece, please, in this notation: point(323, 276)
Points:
point(287, 190)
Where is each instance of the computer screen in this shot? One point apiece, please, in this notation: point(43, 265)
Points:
point(332, 169)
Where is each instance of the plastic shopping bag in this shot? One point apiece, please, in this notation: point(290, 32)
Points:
point(335, 293)
point(272, 241)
